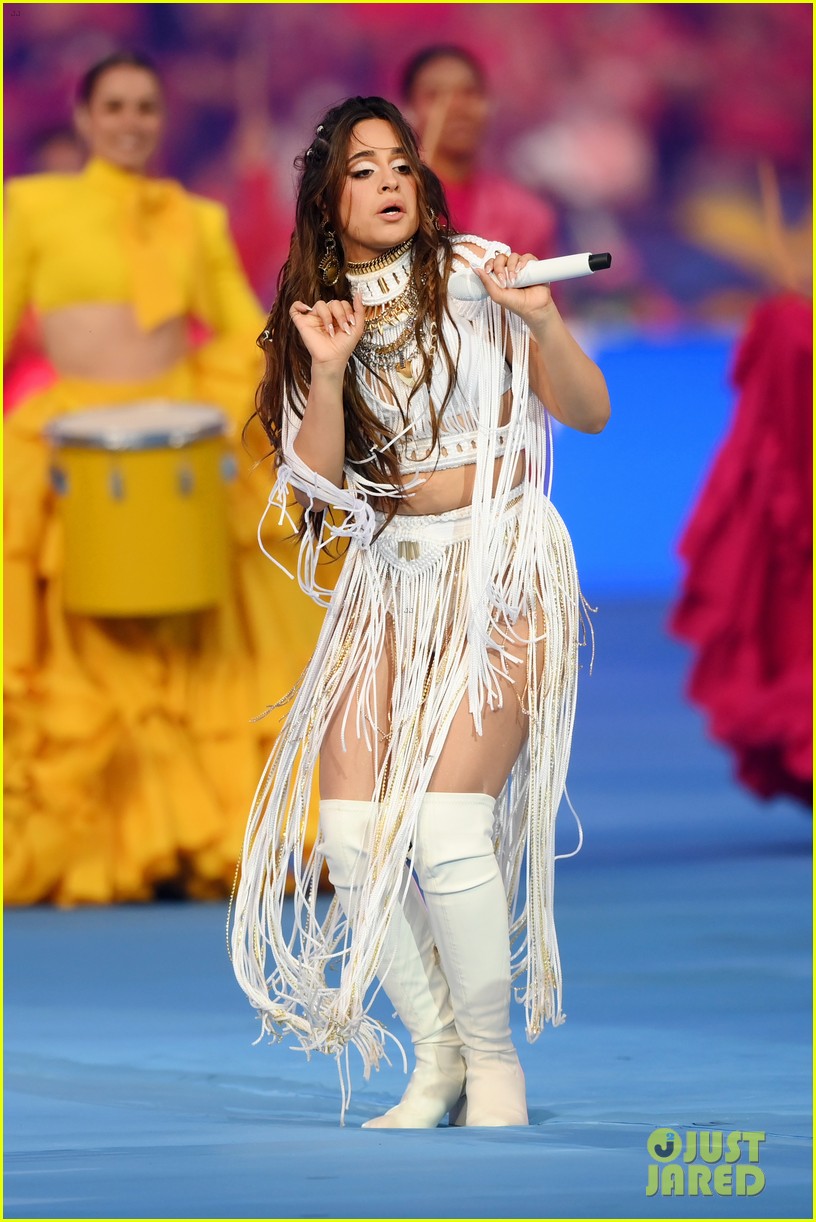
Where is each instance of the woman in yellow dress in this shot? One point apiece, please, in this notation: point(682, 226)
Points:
point(131, 753)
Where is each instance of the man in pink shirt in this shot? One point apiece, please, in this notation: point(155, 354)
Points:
point(445, 93)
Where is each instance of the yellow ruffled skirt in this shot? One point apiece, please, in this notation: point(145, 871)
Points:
point(131, 751)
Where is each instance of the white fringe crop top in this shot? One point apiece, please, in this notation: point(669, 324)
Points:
point(458, 428)
point(470, 430)
point(390, 404)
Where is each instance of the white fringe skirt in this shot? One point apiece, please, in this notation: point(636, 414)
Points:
point(410, 593)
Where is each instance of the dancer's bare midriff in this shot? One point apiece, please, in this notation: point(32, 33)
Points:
point(102, 341)
point(442, 491)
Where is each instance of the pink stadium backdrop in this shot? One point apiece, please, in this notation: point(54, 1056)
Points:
point(643, 124)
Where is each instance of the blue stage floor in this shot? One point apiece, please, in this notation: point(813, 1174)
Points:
point(133, 1090)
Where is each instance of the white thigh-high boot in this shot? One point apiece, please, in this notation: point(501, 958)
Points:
point(412, 979)
point(467, 905)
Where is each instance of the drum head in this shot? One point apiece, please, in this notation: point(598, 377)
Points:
point(150, 425)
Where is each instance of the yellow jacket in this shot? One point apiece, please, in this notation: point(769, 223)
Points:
point(109, 235)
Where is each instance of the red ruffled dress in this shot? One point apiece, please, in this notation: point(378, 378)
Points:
point(746, 600)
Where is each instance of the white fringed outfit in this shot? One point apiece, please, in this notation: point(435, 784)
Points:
point(442, 593)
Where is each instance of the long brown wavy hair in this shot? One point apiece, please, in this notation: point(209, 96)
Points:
point(322, 169)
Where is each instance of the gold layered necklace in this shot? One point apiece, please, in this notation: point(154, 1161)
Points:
point(388, 292)
point(386, 259)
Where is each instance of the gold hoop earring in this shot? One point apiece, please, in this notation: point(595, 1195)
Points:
point(329, 266)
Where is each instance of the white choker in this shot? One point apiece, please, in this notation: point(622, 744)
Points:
point(382, 279)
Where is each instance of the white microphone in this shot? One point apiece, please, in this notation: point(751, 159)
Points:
point(466, 285)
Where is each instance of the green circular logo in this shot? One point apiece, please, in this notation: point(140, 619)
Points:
point(664, 1144)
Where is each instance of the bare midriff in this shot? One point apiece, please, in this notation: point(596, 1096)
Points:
point(442, 491)
point(102, 341)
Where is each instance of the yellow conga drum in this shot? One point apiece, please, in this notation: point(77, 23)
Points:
point(142, 491)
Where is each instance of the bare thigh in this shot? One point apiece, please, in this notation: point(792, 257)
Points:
point(468, 763)
point(481, 763)
point(351, 773)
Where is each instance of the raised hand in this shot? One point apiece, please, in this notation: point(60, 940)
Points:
point(531, 304)
point(330, 330)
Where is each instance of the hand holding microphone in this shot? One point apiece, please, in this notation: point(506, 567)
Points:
point(466, 285)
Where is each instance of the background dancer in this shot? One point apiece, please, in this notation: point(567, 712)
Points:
point(130, 748)
point(447, 101)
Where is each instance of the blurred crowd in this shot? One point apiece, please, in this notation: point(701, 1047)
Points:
point(642, 129)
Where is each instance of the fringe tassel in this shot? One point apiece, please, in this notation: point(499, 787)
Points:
point(423, 612)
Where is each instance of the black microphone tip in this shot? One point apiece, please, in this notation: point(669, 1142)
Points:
point(598, 263)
